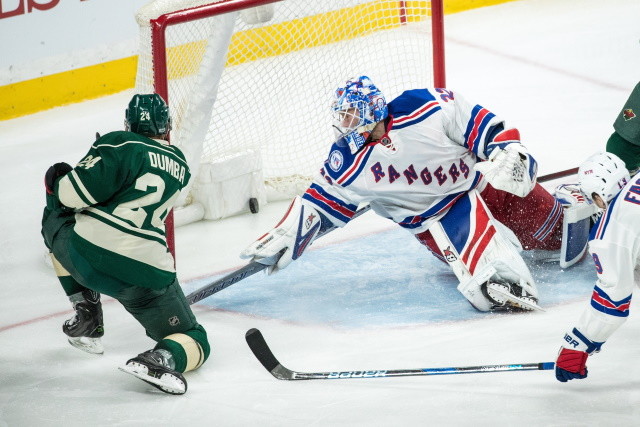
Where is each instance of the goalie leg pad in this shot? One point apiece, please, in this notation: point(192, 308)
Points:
point(476, 248)
point(576, 223)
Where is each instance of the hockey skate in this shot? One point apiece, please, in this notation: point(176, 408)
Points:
point(86, 327)
point(154, 367)
point(510, 297)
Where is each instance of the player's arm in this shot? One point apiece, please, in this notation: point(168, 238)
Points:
point(507, 164)
point(608, 309)
point(51, 178)
point(319, 209)
point(93, 180)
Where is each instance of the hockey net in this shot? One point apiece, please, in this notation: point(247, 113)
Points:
point(251, 81)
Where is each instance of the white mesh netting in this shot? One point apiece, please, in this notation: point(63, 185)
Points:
point(267, 86)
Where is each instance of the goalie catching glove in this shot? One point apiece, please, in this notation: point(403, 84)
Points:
point(289, 239)
point(511, 169)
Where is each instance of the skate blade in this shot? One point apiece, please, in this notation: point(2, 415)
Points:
point(167, 383)
point(521, 303)
point(90, 345)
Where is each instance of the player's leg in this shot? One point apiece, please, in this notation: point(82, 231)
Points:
point(544, 221)
point(535, 219)
point(482, 255)
point(86, 327)
point(168, 319)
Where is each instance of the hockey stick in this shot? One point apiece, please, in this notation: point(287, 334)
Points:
point(231, 278)
point(263, 353)
point(557, 175)
point(255, 266)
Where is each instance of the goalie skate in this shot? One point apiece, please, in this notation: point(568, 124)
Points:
point(152, 370)
point(504, 299)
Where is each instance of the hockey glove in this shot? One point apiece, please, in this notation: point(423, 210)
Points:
point(511, 169)
point(54, 173)
point(571, 364)
point(289, 239)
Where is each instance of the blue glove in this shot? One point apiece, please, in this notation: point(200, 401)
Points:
point(571, 364)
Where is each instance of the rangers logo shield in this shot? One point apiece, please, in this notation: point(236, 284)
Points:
point(335, 160)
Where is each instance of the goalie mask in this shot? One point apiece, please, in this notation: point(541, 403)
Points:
point(358, 104)
point(147, 115)
point(603, 174)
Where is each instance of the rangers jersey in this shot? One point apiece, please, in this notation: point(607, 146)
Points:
point(122, 191)
point(420, 167)
point(615, 248)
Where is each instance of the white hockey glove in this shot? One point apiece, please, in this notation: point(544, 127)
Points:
point(511, 169)
point(288, 240)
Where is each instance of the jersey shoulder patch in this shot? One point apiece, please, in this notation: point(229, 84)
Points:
point(411, 107)
point(341, 167)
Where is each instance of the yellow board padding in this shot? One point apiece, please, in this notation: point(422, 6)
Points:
point(31, 96)
point(80, 84)
point(319, 30)
point(290, 36)
point(193, 350)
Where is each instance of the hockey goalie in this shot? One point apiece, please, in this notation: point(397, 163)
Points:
point(449, 172)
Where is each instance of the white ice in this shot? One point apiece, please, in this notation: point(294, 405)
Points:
point(367, 297)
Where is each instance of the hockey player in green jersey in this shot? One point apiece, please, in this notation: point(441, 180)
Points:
point(625, 140)
point(104, 227)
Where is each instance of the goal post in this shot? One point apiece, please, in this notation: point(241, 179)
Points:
point(249, 83)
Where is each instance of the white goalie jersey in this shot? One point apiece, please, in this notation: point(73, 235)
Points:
point(418, 169)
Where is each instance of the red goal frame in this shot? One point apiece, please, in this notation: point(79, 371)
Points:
point(158, 49)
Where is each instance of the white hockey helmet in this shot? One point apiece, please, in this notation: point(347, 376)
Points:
point(603, 174)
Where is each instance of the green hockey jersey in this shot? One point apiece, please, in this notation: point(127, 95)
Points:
point(122, 191)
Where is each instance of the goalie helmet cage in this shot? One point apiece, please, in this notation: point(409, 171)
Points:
point(260, 74)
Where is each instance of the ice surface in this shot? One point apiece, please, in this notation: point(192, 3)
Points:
point(367, 297)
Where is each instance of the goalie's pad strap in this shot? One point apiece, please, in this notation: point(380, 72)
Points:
point(193, 350)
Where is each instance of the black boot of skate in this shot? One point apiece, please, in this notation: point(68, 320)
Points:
point(86, 327)
point(509, 297)
point(156, 367)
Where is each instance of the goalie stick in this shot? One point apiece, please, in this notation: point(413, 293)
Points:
point(263, 353)
point(257, 266)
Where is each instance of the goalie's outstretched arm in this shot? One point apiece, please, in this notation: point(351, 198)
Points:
point(299, 227)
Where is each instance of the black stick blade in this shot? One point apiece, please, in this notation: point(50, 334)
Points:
point(261, 350)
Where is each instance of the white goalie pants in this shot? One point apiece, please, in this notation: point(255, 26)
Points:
point(478, 248)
